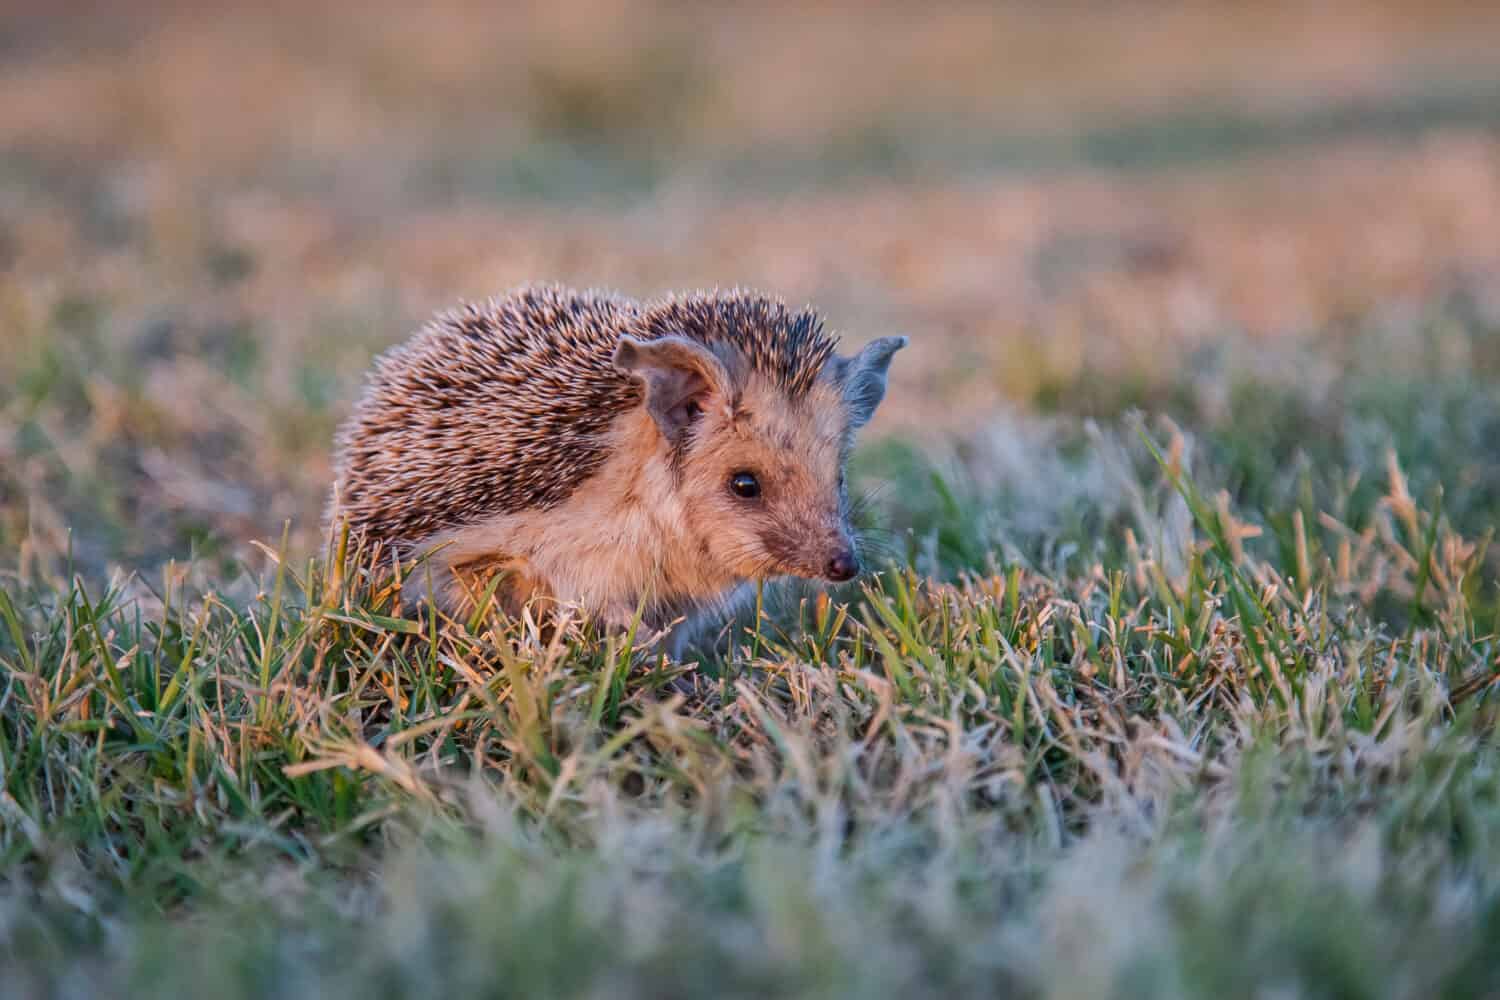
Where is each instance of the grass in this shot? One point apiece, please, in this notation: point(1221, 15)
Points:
point(1209, 750)
point(1179, 673)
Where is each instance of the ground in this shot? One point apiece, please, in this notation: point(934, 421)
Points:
point(1177, 677)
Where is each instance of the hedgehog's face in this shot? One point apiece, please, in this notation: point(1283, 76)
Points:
point(763, 485)
point(761, 475)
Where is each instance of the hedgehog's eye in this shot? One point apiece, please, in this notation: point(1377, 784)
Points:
point(744, 485)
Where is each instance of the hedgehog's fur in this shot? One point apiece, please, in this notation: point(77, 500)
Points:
point(790, 348)
point(491, 408)
point(482, 432)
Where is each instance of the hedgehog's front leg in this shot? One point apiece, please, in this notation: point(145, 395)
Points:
point(703, 626)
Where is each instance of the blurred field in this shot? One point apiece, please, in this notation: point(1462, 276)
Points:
point(1061, 747)
point(210, 219)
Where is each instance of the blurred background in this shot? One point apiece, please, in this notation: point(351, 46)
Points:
point(213, 215)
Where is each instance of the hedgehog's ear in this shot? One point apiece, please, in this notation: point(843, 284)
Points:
point(863, 378)
point(682, 378)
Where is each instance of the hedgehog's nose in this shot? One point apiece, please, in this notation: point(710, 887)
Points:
point(841, 567)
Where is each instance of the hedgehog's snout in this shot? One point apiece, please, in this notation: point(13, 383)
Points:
point(836, 560)
point(842, 566)
point(812, 551)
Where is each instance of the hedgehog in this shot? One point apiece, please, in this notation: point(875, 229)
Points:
point(639, 461)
